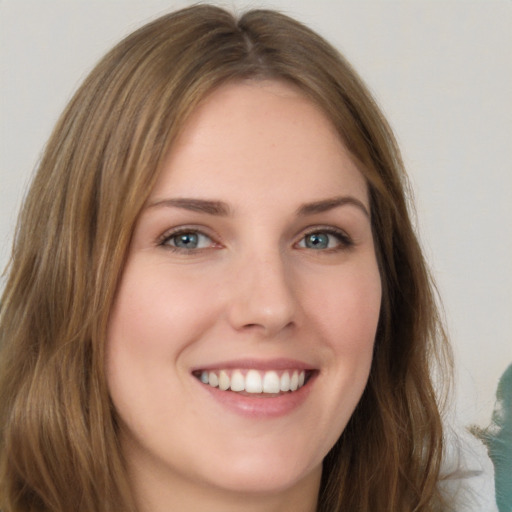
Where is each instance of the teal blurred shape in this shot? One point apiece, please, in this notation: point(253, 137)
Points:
point(498, 439)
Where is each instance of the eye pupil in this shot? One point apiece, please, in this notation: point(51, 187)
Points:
point(317, 241)
point(186, 240)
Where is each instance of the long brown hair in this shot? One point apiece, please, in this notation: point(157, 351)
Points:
point(58, 438)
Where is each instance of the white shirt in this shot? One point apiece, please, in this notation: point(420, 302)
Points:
point(469, 474)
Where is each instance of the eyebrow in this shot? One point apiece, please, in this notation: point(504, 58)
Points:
point(329, 204)
point(222, 209)
point(195, 205)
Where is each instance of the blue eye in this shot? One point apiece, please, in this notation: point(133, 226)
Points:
point(326, 239)
point(187, 241)
point(317, 241)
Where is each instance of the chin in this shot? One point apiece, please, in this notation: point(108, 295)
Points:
point(256, 474)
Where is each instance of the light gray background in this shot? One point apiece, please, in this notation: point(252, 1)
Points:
point(442, 72)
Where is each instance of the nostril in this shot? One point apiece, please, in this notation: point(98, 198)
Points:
point(266, 328)
point(262, 296)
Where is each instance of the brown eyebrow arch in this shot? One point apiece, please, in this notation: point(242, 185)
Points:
point(195, 205)
point(329, 204)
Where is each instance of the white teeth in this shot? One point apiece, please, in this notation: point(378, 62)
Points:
point(285, 382)
point(223, 380)
point(237, 381)
point(294, 382)
point(213, 380)
point(271, 383)
point(254, 381)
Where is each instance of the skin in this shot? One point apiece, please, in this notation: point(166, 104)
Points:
point(251, 289)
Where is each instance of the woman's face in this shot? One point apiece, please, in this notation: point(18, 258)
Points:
point(252, 267)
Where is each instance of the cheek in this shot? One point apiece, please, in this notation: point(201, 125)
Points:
point(346, 308)
point(157, 314)
point(157, 309)
point(344, 313)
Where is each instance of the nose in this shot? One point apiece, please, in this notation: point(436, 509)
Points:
point(263, 298)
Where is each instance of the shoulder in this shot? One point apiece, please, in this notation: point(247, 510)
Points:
point(467, 475)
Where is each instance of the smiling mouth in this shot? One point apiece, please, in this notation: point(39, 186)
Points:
point(253, 382)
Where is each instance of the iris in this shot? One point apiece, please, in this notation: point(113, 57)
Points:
point(317, 241)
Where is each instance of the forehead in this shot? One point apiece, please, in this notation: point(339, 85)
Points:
point(259, 137)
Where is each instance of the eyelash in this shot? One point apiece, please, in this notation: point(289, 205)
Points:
point(343, 240)
point(167, 237)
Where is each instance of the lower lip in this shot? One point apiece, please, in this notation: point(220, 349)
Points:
point(259, 406)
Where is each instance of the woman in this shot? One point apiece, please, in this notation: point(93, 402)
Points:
point(216, 299)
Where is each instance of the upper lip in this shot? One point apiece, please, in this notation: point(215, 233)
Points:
point(257, 364)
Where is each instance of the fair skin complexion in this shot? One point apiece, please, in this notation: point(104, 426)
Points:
point(253, 255)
